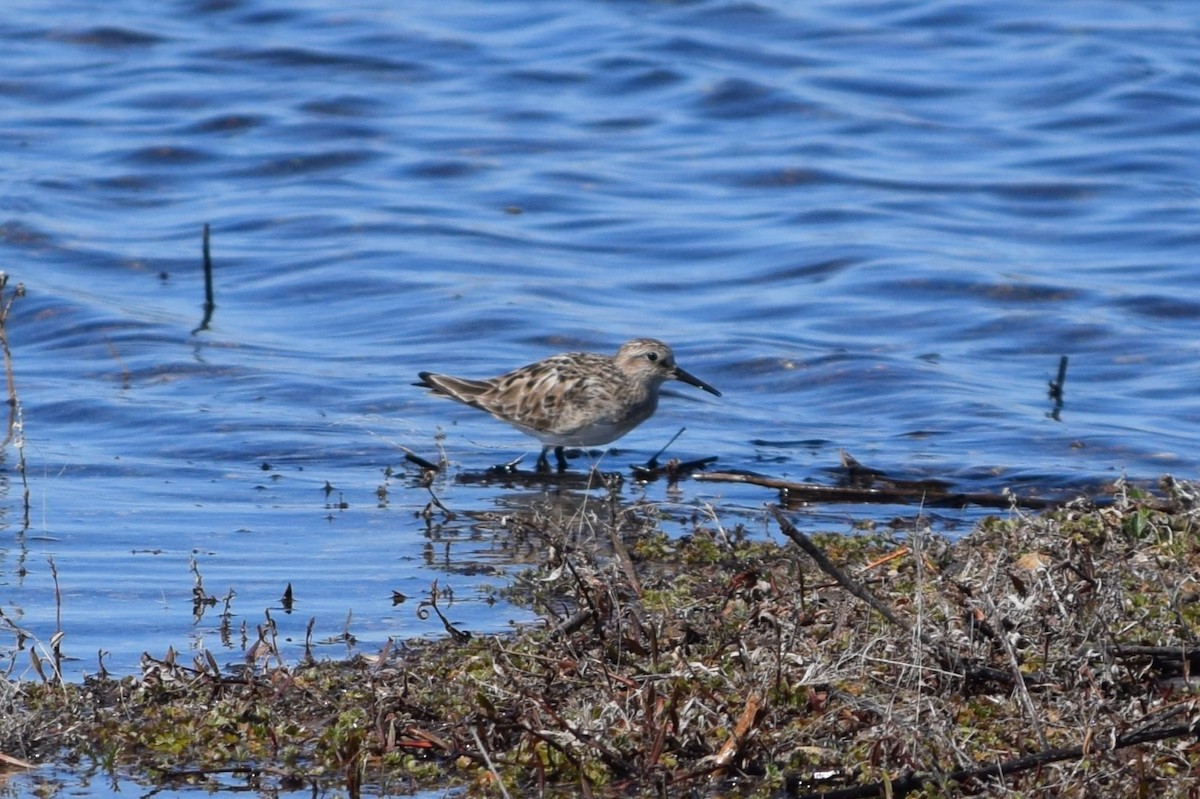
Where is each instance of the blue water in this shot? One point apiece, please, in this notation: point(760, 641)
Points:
point(874, 226)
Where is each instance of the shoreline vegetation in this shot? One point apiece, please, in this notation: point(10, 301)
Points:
point(1041, 654)
point(1048, 652)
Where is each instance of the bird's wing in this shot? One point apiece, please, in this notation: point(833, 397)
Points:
point(459, 389)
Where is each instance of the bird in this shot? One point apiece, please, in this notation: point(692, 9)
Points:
point(574, 399)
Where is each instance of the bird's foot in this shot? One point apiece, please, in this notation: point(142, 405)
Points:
point(543, 463)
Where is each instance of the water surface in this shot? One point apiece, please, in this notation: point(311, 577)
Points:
point(875, 227)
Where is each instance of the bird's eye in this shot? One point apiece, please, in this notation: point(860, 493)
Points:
point(653, 356)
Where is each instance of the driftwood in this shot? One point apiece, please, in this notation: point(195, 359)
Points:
point(951, 662)
point(914, 781)
point(1179, 658)
point(861, 484)
point(858, 484)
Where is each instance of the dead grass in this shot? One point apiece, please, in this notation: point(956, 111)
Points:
point(1040, 655)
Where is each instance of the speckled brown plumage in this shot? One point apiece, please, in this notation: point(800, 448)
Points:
point(577, 399)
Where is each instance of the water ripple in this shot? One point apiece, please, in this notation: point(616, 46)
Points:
point(876, 227)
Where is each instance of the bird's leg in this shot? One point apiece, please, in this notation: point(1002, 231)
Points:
point(562, 460)
point(543, 463)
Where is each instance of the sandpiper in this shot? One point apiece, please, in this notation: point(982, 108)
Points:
point(576, 399)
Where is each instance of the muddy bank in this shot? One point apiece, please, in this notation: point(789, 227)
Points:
point(1047, 652)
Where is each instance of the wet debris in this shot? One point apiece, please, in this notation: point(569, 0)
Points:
point(1049, 652)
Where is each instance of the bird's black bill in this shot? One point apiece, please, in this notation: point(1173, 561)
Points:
point(680, 374)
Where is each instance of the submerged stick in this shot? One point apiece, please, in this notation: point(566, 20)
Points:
point(16, 420)
point(890, 492)
point(1056, 385)
point(653, 462)
point(209, 303)
point(1056, 389)
point(5, 306)
point(208, 284)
